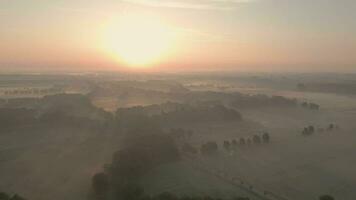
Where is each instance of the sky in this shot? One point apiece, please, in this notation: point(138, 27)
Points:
point(242, 35)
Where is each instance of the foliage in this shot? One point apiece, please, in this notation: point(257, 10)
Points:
point(227, 145)
point(265, 137)
point(243, 101)
point(242, 141)
point(12, 119)
point(100, 184)
point(326, 197)
point(311, 106)
point(198, 114)
point(308, 131)
point(5, 196)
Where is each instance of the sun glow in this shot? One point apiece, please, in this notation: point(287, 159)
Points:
point(139, 41)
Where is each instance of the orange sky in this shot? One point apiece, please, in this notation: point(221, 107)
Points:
point(211, 34)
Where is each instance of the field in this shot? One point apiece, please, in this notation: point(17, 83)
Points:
point(292, 166)
point(59, 164)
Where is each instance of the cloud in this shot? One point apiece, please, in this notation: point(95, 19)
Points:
point(191, 4)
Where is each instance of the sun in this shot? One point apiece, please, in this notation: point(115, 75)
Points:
point(139, 41)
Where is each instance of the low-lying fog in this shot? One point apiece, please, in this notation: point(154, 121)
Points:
point(277, 137)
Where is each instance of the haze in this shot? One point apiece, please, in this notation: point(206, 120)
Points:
point(177, 100)
point(243, 35)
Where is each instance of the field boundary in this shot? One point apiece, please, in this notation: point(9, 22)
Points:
point(234, 181)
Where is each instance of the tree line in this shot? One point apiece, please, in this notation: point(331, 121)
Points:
point(212, 147)
point(310, 130)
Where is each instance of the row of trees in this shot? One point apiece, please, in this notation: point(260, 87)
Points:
point(310, 130)
point(180, 133)
point(56, 112)
point(135, 192)
point(76, 111)
point(256, 139)
point(211, 147)
point(170, 196)
point(33, 91)
point(198, 114)
point(121, 178)
point(260, 100)
point(311, 106)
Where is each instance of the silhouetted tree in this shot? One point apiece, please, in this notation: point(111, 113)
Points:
point(17, 197)
point(311, 129)
point(4, 196)
point(234, 143)
point(142, 154)
point(241, 198)
point(331, 127)
point(130, 191)
point(167, 196)
point(326, 197)
point(100, 183)
point(308, 130)
point(242, 141)
point(314, 106)
point(265, 137)
point(170, 196)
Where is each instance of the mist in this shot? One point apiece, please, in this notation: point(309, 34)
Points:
point(115, 136)
point(177, 100)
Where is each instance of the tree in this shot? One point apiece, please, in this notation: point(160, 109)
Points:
point(234, 143)
point(305, 104)
point(311, 129)
point(326, 197)
point(130, 191)
point(331, 127)
point(241, 198)
point(17, 197)
point(142, 154)
point(100, 183)
point(308, 130)
point(242, 141)
point(167, 196)
point(4, 196)
point(265, 137)
point(314, 106)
